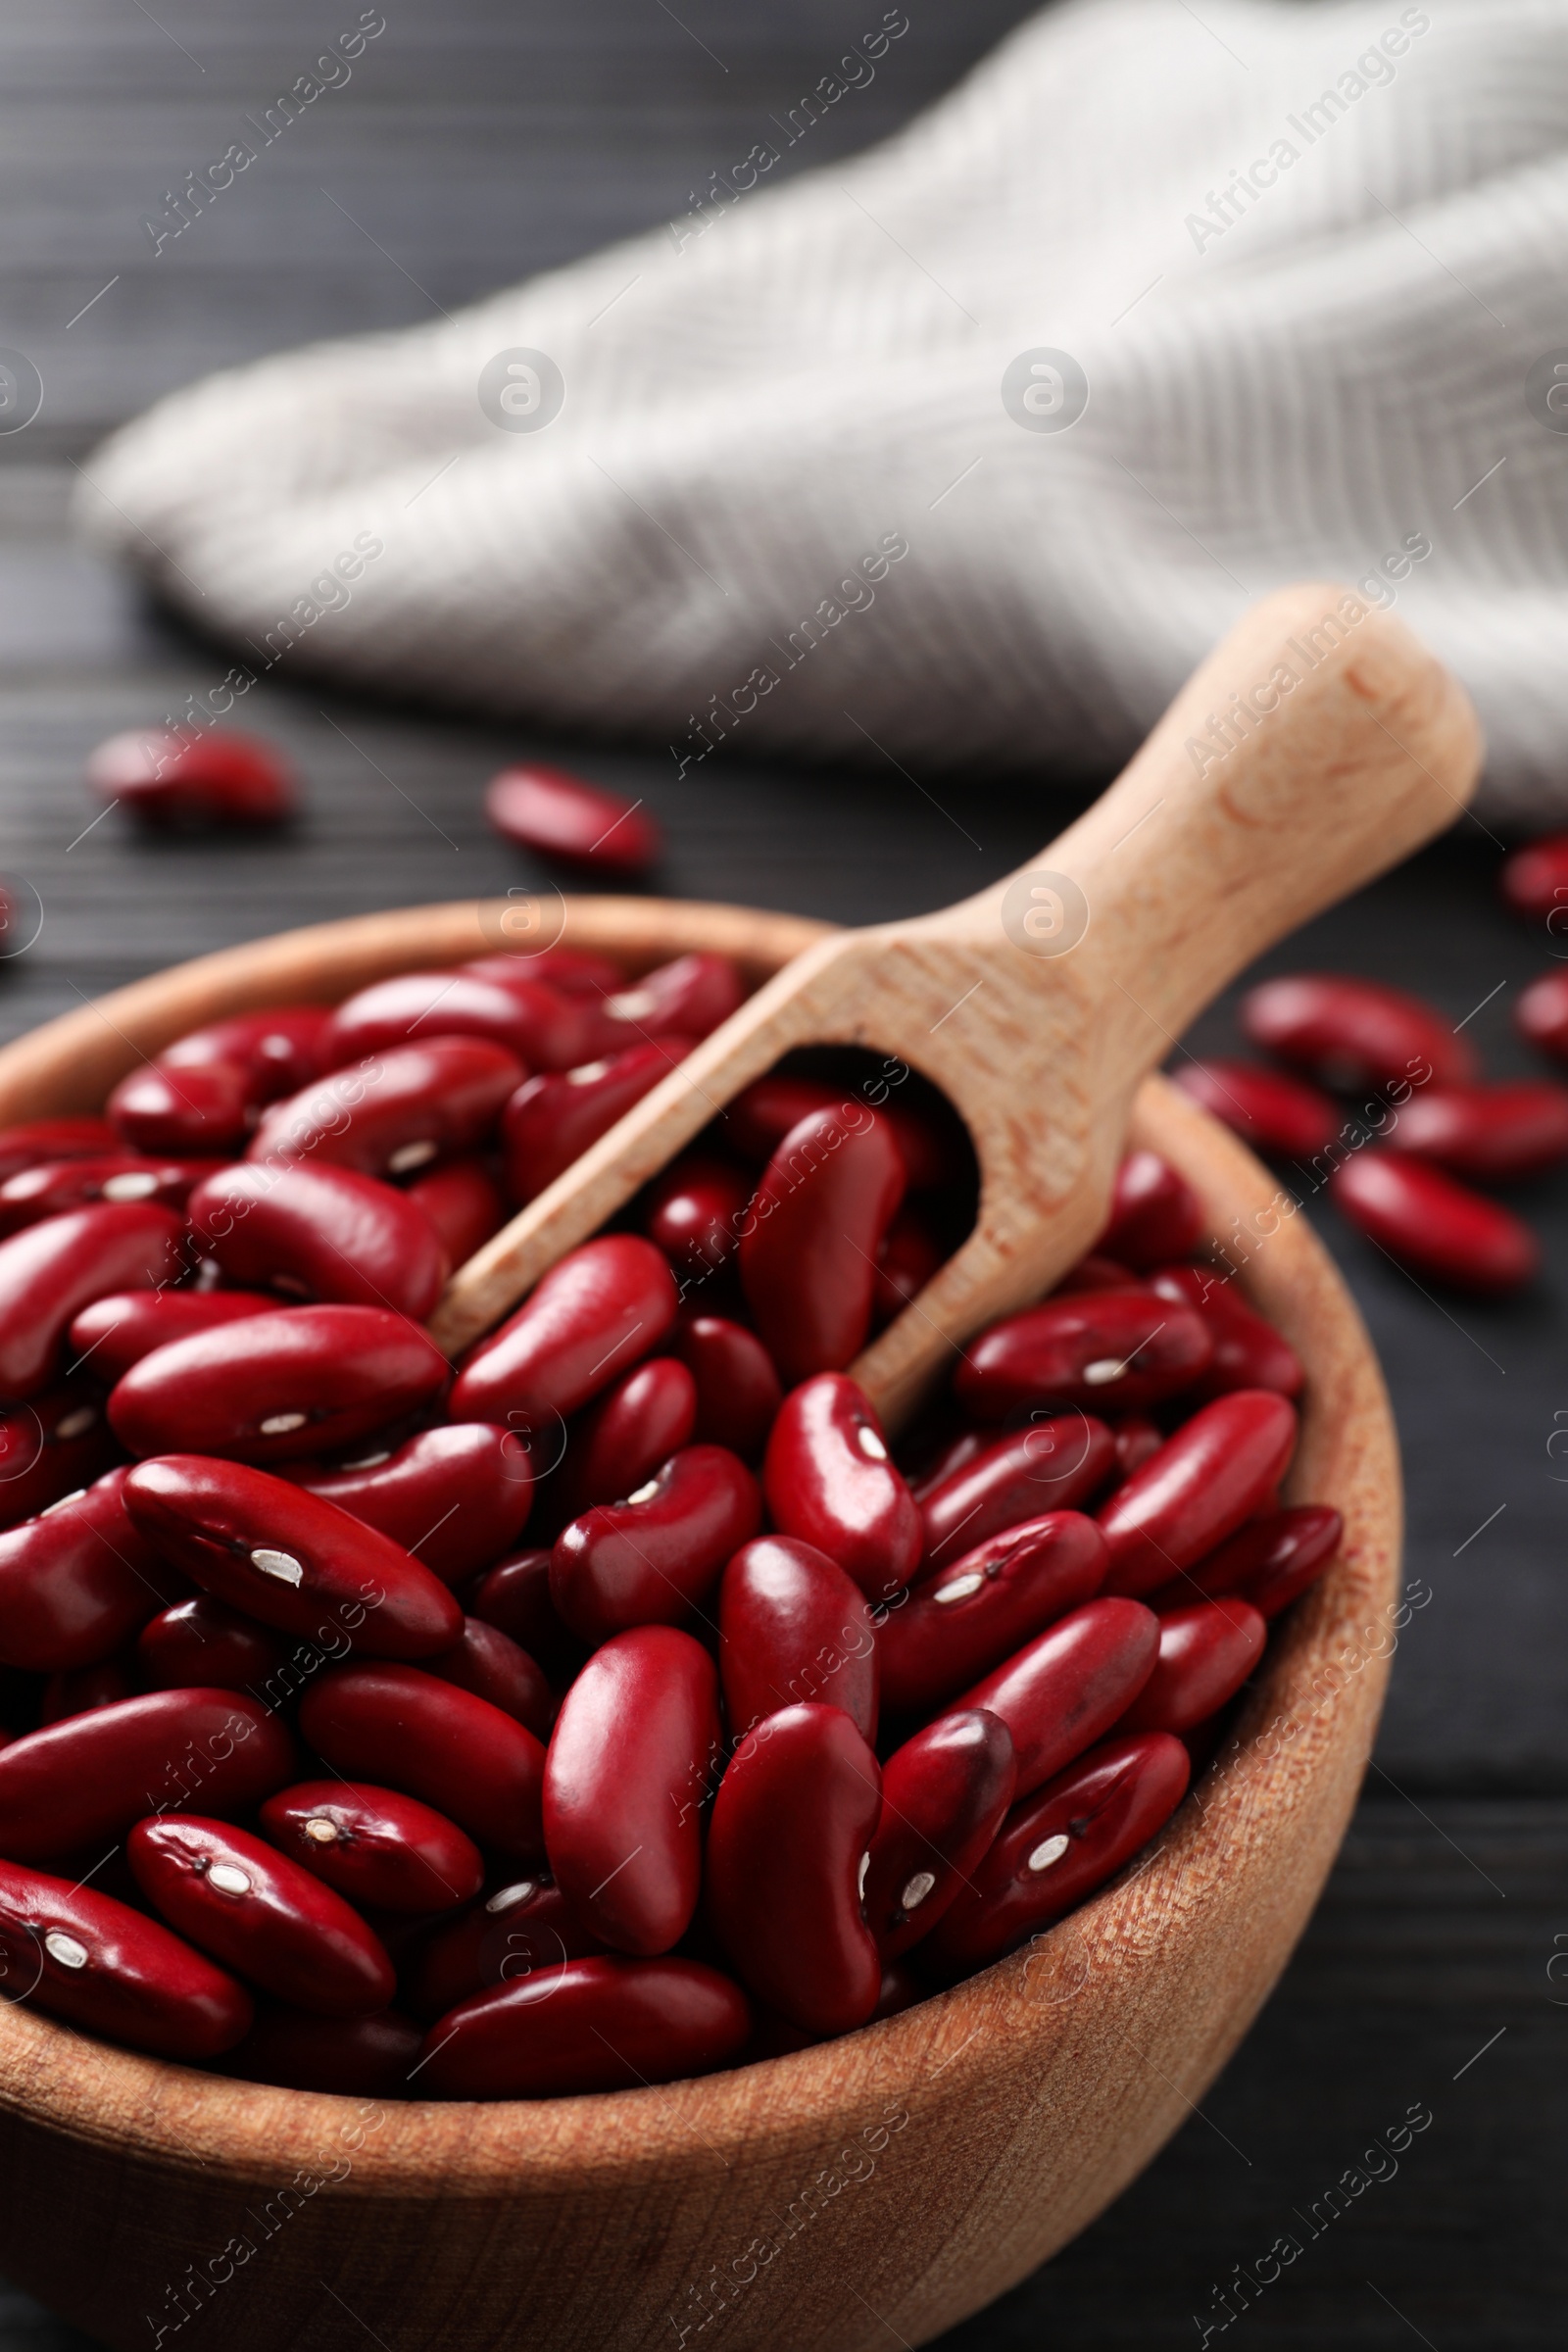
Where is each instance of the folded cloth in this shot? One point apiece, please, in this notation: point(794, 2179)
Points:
point(963, 453)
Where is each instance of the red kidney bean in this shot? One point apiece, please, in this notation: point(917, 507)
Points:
point(203, 1643)
point(405, 1730)
point(39, 1140)
point(1281, 1116)
point(908, 1257)
point(83, 1782)
point(829, 1479)
point(456, 1495)
point(293, 1381)
point(792, 1823)
point(289, 1558)
point(1138, 1437)
point(1540, 1014)
point(690, 996)
point(76, 1582)
point(355, 2057)
point(524, 1929)
point(654, 1559)
point(694, 1211)
point(252, 1907)
point(1534, 880)
point(1489, 1134)
point(1093, 1347)
point(544, 1029)
point(1068, 1686)
point(222, 778)
point(552, 1119)
point(632, 1756)
point(1096, 1272)
point(514, 1596)
point(1062, 1844)
point(51, 1448)
point(1427, 1221)
point(546, 811)
point(84, 1688)
point(324, 1233)
point(738, 1391)
point(1054, 1465)
point(604, 1305)
point(397, 1112)
point(489, 1663)
point(626, 1433)
point(186, 1112)
point(464, 1202)
point(573, 971)
point(1206, 1651)
point(1355, 1034)
point(374, 1846)
point(963, 1620)
point(1218, 1469)
point(58, 1185)
point(590, 2025)
point(954, 1451)
point(51, 1271)
point(943, 1795)
point(276, 1047)
point(93, 1961)
point(762, 1114)
point(114, 1333)
point(1247, 1352)
point(792, 1628)
point(1267, 1562)
point(1154, 1214)
point(808, 1254)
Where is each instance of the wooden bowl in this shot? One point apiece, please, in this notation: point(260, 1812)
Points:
point(880, 2186)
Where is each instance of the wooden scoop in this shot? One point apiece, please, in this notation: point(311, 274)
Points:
point(1315, 748)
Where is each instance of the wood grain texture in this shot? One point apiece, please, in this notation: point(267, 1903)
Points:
point(900, 2177)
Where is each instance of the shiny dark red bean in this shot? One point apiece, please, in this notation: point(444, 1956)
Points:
point(79, 1581)
point(1093, 1347)
point(293, 1381)
point(36, 1141)
point(186, 1112)
point(263, 1915)
point(515, 1595)
point(203, 1643)
point(457, 1496)
point(633, 1754)
point(573, 971)
point(1154, 1214)
point(1138, 1437)
point(1427, 1220)
point(1205, 1655)
point(793, 1629)
point(553, 1118)
point(1067, 1687)
point(1540, 1014)
point(86, 1781)
point(325, 1233)
point(376, 1847)
point(1218, 1469)
point(1096, 1272)
point(276, 1047)
point(221, 777)
point(1534, 880)
point(1054, 1465)
point(594, 1315)
point(397, 1112)
point(93, 1961)
point(626, 1433)
point(404, 1729)
point(757, 1122)
point(655, 1556)
point(525, 1927)
point(58, 1185)
point(1247, 1352)
point(829, 1479)
point(808, 1254)
point(83, 1689)
point(1352, 1035)
point(289, 1558)
point(1267, 1562)
point(792, 1823)
point(1489, 1133)
point(51, 1271)
point(489, 1663)
point(694, 1211)
point(355, 2057)
point(107, 1338)
point(1280, 1115)
point(464, 1202)
point(50, 1448)
point(1063, 1843)
point(908, 1257)
point(590, 2025)
point(689, 997)
point(738, 1391)
point(544, 1029)
point(556, 814)
point(943, 1795)
point(960, 1622)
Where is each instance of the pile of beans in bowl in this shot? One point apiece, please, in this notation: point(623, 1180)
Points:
point(610, 1706)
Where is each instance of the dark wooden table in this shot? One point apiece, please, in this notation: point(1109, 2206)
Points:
point(477, 143)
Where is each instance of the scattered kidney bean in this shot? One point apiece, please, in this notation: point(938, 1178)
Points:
point(1154, 1214)
point(1206, 1653)
point(594, 1315)
point(908, 1257)
point(943, 1795)
point(397, 1112)
point(203, 1643)
point(1136, 1438)
point(277, 1048)
point(960, 1622)
point(1053, 1465)
point(525, 1927)
point(218, 778)
point(58, 1185)
point(1218, 1469)
point(1540, 1014)
point(514, 1596)
point(1353, 1034)
point(830, 1479)
point(456, 1495)
point(1267, 1562)
point(626, 1434)
point(39, 1140)
point(552, 1119)
point(588, 2025)
point(93, 1961)
point(50, 1448)
point(207, 1108)
point(544, 810)
point(90, 1777)
point(49, 1272)
point(573, 971)
point(1064, 1689)
point(1427, 1220)
point(1534, 880)
point(762, 1114)
point(1280, 1115)
point(738, 1391)
point(464, 1202)
point(691, 996)
point(654, 1559)
point(792, 1628)
point(1247, 1352)
point(113, 1333)
point(373, 1847)
point(1093, 1348)
point(399, 1727)
point(545, 1029)
point(355, 2057)
point(1489, 1134)
point(807, 1253)
point(78, 1581)
point(693, 1212)
point(493, 1666)
point(326, 1234)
